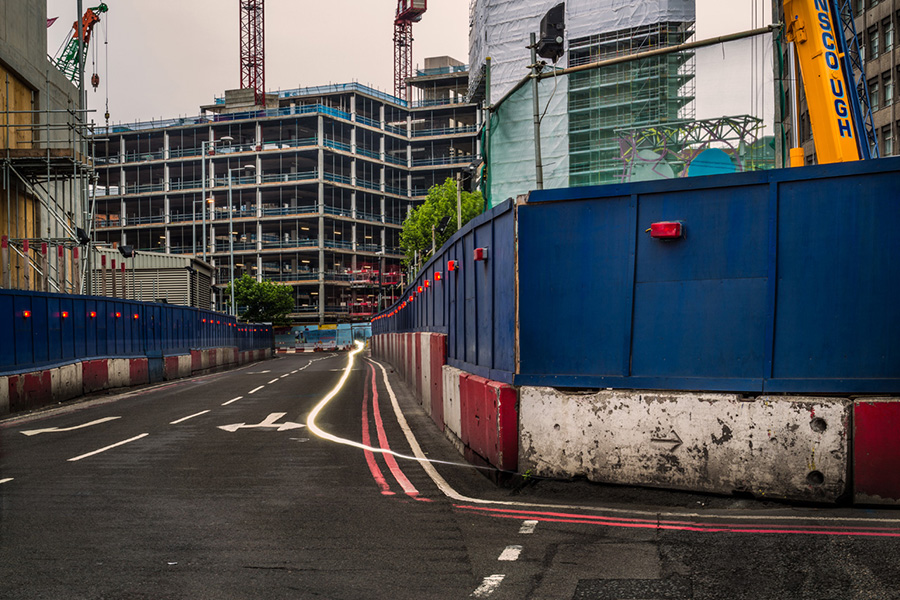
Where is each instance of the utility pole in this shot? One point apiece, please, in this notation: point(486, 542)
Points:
point(535, 82)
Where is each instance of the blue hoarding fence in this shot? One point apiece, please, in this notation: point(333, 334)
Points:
point(42, 329)
point(784, 281)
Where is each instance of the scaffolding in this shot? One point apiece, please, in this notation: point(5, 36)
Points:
point(45, 170)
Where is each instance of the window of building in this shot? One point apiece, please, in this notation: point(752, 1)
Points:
point(888, 87)
point(874, 41)
point(887, 141)
point(860, 6)
point(874, 93)
point(887, 26)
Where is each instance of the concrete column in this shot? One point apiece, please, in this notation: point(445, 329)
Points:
point(353, 108)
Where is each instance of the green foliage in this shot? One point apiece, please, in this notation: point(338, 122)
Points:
point(266, 301)
point(440, 203)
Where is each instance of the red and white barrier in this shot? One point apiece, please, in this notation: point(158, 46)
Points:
point(26, 391)
point(478, 415)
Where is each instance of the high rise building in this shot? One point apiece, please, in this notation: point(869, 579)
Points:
point(311, 192)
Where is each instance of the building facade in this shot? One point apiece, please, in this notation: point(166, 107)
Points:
point(44, 165)
point(311, 192)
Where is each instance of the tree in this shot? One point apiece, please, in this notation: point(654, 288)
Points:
point(266, 301)
point(439, 204)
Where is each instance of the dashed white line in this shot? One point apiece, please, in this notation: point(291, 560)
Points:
point(256, 389)
point(183, 419)
point(528, 527)
point(511, 553)
point(232, 400)
point(110, 447)
point(488, 586)
point(7, 480)
point(273, 381)
point(283, 376)
point(294, 371)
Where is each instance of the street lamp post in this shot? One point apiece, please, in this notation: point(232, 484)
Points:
point(204, 148)
point(231, 232)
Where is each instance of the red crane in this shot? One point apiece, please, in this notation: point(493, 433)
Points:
point(408, 12)
point(253, 49)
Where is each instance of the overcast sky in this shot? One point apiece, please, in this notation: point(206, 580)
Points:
point(168, 57)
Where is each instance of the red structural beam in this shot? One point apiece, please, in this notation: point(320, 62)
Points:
point(253, 49)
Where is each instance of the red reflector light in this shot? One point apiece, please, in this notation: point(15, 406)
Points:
point(93, 314)
point(437, 275)
point(451, 265)
point(480, 253)
point(118, 315)
point(427, 283)
point(26, 314)
point(136, 316)
point(64, 314)
point(411, 298)
point(421, 289)
point(666, 230)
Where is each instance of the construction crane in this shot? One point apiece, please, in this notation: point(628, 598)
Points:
point(408, 12)
point(253, 49)
point(73, 53)
point(827, 50)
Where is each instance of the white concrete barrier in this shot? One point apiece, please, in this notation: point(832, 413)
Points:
point(783, 447)
point(452, 415)
point(425, 370)
point(4, 395)
point(119, 372)
point(66, 382)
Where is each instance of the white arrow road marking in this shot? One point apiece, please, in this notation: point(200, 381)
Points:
point(267, 423)
point(487, 587)
point(55, 429)
point(110, 447)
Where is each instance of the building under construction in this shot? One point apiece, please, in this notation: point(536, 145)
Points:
point(310, 191)
point(44, 165)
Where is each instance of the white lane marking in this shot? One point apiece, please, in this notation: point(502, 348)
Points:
point(273, 381)
point(488, 586)
point(528, 527)
point(256, 389)
point(7, 480)
point(183, 419)
point(110, 447)
point(511, 553)
point(294, 371)
point(283, 376)
point(232, 400)
point(267, 423)
point(55, 429)
point(451, 493)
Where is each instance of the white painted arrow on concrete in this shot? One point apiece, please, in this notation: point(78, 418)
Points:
point(58, 429)
point(267, 423)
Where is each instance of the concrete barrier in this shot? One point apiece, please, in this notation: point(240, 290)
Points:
point(4, 395)
point(119, 372)
point(138, 371)
point(782, 447)
point(94, 375)
point(66, 382)
point(424, 350)
point(876, 451)
point(438, 358)
point(452, 410)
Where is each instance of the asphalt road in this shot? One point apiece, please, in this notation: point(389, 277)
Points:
point(216, 487)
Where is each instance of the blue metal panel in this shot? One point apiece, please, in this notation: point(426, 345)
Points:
point(503, 262)
point(711, 328)
point(483, 279)
point(573, 267)
point(838, 279)
point(8, 327)
point(67, 326)
point(24, 336)
point(725, 235)
point(40, 324)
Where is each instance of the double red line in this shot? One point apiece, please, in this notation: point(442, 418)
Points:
point(408, 488)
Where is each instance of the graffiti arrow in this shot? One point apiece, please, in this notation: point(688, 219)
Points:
point(267, 423)
point(673, 439)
